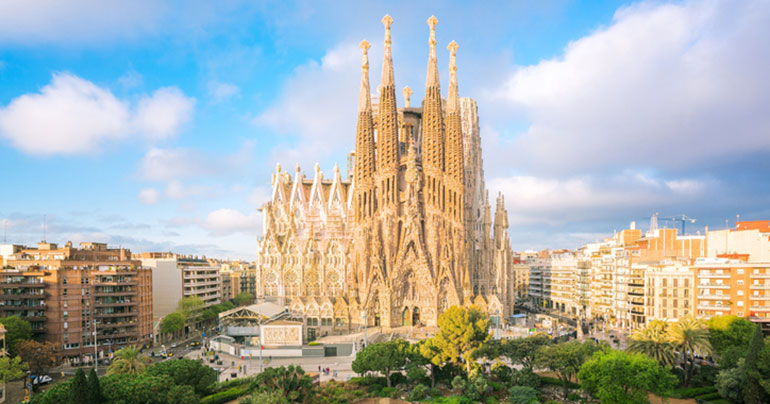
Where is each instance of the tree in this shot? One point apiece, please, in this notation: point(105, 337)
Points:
point(10, 369)
point(523, 350)
point(753, 393)
point(730, 382)
point(16, 330)
point(653, 342)
point(172, 323)
point(690, 336)
point(127, 360)
point(146, 389)
point(79, 387)
point(429, 353)
point(38, 355)
point(566, 359)
point(186, 372)
point(461, 332)
point(384, 357)
point(617, 377)
point(243, 299)
point(730, 336)
point(95, 395)
point(191, 308)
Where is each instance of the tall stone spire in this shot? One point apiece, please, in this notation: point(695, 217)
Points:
point(364, 160)
point(387, 133)
point(387, 63)
point(454, 156)
point(365, 98)
point(433, 129)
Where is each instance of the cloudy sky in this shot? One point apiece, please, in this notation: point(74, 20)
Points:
point(155, 124)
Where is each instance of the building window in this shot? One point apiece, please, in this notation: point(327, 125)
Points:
point(740, 271)
point(740, 303)
point(740, 281)
point(64, 292)
point(740, 292)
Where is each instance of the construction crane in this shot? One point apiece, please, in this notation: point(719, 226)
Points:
point(673, 219)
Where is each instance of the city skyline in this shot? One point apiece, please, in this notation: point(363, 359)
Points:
point(161, 129)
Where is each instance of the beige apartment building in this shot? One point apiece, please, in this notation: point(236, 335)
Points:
point(670, 292)
point(69, 293)
point(520, 277)
point(179, 276)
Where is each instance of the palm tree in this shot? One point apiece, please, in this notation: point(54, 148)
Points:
point(127, 361)
point(653, 342)
point(690, 336)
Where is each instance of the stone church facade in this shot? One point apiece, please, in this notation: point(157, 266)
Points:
point(407, 233)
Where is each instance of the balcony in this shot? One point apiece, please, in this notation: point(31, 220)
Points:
point(116, 283)
point(713, 297)
point(115, 336)
point(723, 307)
point(116, 325)
point(15, 307)
point(759, 276)
point(766, 287)
point(765, 297)
point(713, 286)
point(111, 315)
point(116, 304)
point(760, 308)
point(116, 293)
point(714, 276)
point(19, 296)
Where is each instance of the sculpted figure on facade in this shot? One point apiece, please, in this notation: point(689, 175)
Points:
point(408, 233)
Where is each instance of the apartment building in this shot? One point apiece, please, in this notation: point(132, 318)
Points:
point(84, 290)
point(669, 291)
point(520, 277)
point(731, 285)
point(540, 281)
point(563, 282)
point(181, 276)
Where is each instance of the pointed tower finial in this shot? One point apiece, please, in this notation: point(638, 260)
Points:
point(365, 98)
point(453, 102)
point(432, 78)
point(387, 64)
point(407, 92)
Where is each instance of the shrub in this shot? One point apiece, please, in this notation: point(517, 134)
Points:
point(60, 393)
point(690, 392)
point(495, 386)
point(556, 382)
point(709, 397)
point(523, 395)
point(434, 392)
point(224, 396)
point(476, 387)
point(451, 400)
point(397, 378)
point(187, 372)
point(705, 376)
point(419, 392)
point(458, 383)
point(390, 392)
point(501, 372)
point(314, 343)
point(525, 377)
point(573, 396)
point(491, 400)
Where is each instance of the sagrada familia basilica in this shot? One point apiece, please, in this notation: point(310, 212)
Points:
point(407, 234)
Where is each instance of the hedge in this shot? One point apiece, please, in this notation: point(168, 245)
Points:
point(709, 397)
point(556, 382)
point(224, 396)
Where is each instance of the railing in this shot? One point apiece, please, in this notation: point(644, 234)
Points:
point(760, 286)
point(713, 307)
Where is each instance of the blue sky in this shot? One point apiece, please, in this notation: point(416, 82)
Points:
point(155, 124)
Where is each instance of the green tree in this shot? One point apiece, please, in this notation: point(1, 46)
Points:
point(11, 369)
point(384, 357)
point(186, 372)
point(127, 360)
point(653, 342)
point(523, 350)
point(79, 387)
point(753, 393)
point(38, 355)
point(430, 353)
point(243, 299)
point(291, 382)
point(95, 395)
point(690, 336)
point(146, 389)
point(617, 377)
point(265, 397)
point(16, 330)
point(730, 336)
point(461, 332)
point(191, 308)
point(730, 382)
point(566, 359)
point(172, 323)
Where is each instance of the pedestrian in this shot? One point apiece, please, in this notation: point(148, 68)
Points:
point(319, 368)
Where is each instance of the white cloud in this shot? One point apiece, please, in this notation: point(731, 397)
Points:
point(71, 115)
point(149, 196)
point(318, 106)
point(172, 164)
point(553, 201)
point(131, 79)
point(162, 115)
point(219, 91)
point(175, 189)
point(665, 85)
point(227, 221)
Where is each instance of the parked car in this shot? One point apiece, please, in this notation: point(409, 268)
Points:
point(43, 379)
